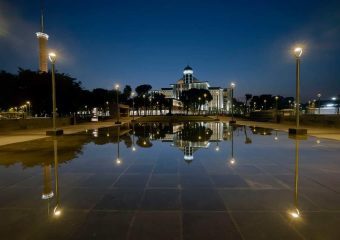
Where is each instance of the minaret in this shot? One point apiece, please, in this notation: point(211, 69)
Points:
point(42, 40)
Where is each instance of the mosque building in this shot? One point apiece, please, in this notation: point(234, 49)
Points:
point(221, 102)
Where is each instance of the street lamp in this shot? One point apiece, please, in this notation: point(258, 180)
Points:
point(276, 107)
point(144, 104)
point(53, 57)
point(133, 106)
point(28, 103)
point(118, 108)
point(297, 130)
point(232, 86)
point(319, 101)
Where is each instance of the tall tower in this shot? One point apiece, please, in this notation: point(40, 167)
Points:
point(42, 40)
point(187, 75)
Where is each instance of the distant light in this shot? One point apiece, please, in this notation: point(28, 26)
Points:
point(52, 57)
point(118, 161)
point(318, 141)
point(133, 148)
point(217, 148)
point(330, 105)
point(276, 138)
point(333, 98)
point(298, 52)
point(232, 161)
point(117, 86)
point(232, 84)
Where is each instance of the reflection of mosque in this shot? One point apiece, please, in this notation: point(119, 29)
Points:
point(190, 137)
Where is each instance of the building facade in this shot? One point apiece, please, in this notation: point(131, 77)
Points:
point(220, 103)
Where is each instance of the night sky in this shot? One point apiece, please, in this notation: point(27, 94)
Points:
point(135, 42)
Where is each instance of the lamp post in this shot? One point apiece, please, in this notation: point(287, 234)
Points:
point(144, 104)
point(118, 108)
point(133, 105)
point(297, 130)
point(232, 85)
point(276, 107)
point(53, 57)
point(319, 102)
point(28, 103)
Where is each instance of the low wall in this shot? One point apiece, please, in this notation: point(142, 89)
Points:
point(164, 118)
point(32, 123)
point(316, 120)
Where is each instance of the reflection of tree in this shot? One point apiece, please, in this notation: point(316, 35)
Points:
point(144, 142)
point(195, 132)
point(248, 140)
point(39, 152)
point(261, 130)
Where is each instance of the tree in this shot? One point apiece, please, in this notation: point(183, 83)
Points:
point(143, 89)
point(248, 97)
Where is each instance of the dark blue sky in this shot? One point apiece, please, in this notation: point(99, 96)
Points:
point(135, 42)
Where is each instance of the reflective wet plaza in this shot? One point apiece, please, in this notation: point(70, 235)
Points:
point(171, 181)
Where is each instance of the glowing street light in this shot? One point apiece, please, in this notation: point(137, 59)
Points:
point(118, 108)
point(297, 130)
point(319, 101)
point(232, 86)
point(53, 57)
point(133, 105)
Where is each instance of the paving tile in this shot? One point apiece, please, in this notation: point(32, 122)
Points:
point(195, 181)
point(228, 181)
point(201, 199)
point(264, 225)
point(156, 225)
point(120, 199)
point(164, 181)
point(260, 200)
point(161, 199)
point(104, 225)
point(208, 225)
point(132, 181)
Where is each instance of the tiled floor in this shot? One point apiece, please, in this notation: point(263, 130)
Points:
point(155, 194)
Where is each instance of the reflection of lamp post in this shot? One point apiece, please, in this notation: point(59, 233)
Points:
point(295, 214)
point(319, 101)
point(232, 85)
point(297, 130)
point(232, 161)
point(133, 138)
point(57, 209)
point(118, 161)
point(118, 108)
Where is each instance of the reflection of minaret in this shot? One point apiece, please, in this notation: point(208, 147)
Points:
point(42, 40)
point(47, 193)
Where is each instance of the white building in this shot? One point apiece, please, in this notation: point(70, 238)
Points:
point(221, 101)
